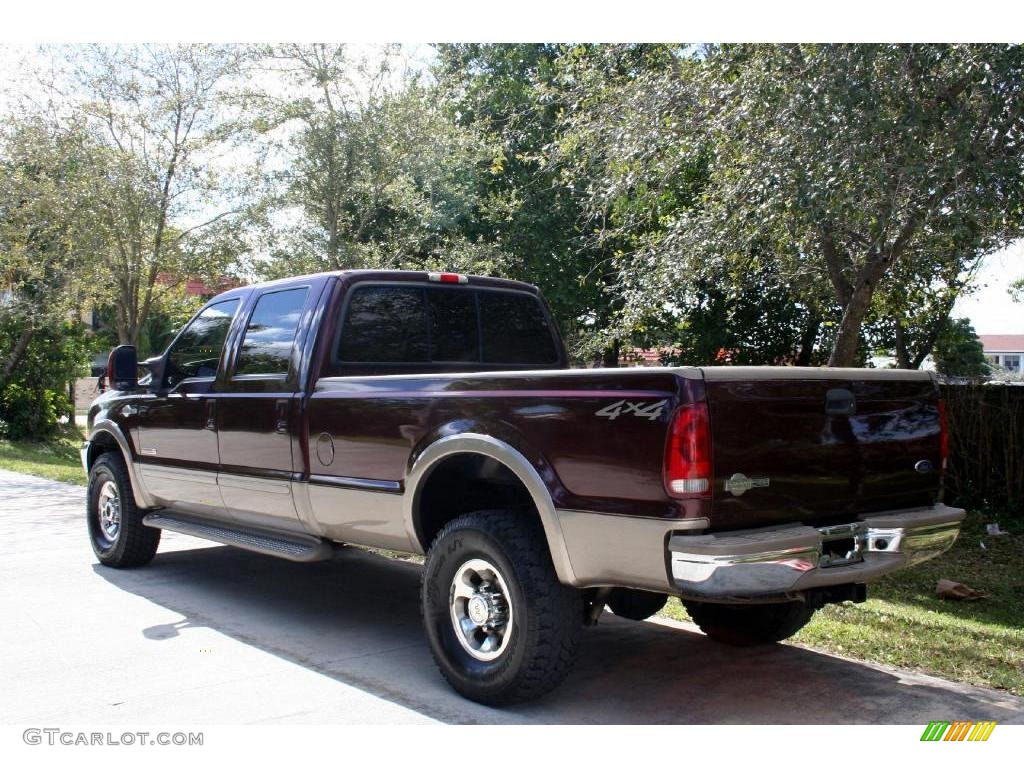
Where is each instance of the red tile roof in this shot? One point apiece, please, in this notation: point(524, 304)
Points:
point(1005, 342)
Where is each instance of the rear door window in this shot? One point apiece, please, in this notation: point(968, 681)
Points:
point(270, 334)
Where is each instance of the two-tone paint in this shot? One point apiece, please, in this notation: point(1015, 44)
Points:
point(352, 458)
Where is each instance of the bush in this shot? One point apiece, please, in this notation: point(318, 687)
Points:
point(31, 414)
point(34, 397)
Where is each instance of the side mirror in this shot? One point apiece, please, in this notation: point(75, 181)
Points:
point(123, 368)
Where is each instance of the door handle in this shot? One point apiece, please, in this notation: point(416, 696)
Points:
point(281, 414)
point(211, 415)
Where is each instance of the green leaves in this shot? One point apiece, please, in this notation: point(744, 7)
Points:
point(874, 176)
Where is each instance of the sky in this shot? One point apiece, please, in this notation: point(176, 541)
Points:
point(990, 308)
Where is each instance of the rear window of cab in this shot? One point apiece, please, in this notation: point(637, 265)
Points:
point(428, 327)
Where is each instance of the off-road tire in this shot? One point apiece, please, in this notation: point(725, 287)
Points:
point(746, 625)
point(635, 604)
point(548, 616)
point(135, 543)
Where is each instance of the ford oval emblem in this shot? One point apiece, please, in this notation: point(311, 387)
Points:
point(924, 466)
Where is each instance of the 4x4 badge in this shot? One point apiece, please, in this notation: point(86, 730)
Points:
point(739, 483)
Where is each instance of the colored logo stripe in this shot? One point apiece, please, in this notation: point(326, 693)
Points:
point(958, 730)
point(982, 731)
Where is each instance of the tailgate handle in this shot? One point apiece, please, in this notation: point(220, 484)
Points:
point(840, 402)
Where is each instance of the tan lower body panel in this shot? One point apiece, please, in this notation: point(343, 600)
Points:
point(355, 516)
point(620, 550)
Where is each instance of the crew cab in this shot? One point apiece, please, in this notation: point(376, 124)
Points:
point(436, 413)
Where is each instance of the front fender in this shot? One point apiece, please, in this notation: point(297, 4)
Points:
point(103, 429)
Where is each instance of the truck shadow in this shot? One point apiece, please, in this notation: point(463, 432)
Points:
point(356, 620)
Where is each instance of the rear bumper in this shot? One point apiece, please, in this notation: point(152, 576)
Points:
point(779, 561)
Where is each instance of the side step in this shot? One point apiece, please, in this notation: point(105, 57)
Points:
point(297, 547)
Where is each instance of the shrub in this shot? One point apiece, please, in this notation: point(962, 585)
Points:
point(34, 397)
point(31, 414)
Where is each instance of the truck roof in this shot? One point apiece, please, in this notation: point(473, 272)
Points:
point(391, 275)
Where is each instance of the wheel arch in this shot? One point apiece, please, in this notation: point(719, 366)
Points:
point(473, 447)
point(107, 437)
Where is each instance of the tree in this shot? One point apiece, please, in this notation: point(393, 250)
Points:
point(376, 174)
point(864, 160)
point(48, 238)
point(958, 351)
point(511, 93)
point(161, 170)
point(864, 169)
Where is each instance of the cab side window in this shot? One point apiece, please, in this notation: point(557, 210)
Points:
point(270, 334)
point(196, 352)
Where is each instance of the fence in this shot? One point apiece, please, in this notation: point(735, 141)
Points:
point(986, 452)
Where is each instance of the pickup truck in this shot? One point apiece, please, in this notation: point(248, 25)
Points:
point(436, 414)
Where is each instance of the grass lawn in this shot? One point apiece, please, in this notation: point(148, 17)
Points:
point(57, 459)
point(903, 622)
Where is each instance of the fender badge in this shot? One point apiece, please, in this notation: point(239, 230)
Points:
point(739, 483)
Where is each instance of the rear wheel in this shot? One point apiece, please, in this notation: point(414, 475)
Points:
point(501, 627)
point(635, 604)
point(116, 532)
point(750, 624)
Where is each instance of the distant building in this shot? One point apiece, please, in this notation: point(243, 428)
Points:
point(1004, 350)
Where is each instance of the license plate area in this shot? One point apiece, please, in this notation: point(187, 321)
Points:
point(842, 545)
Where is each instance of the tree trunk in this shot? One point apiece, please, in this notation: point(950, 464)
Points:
point(16, 354)
point(610, 355)
point(855, 309)
point(844, 350)
point(904, 358)
point(807, 339)
point(902, 353)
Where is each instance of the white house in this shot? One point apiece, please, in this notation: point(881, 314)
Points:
point(1004, 350)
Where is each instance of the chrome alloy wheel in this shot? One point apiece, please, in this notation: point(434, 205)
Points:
point(481, 610)
point(108, 510)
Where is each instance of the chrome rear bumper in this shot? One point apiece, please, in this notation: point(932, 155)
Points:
point(778, 561)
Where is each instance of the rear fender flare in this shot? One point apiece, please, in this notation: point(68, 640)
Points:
point(504, 453)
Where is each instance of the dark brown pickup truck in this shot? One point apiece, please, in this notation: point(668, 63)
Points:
point(435, 413)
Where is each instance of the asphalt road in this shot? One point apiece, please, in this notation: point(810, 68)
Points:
point(211, 635)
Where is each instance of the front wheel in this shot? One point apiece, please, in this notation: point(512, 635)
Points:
point(500, 625)
point(116, 532)
point(749, 624)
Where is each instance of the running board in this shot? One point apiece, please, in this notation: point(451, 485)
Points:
point(297, 547)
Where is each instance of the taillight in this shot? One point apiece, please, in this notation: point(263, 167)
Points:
point(943, 434)
point(446, 277)
point(688, 453)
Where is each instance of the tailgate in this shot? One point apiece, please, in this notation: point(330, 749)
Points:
point(820, 446)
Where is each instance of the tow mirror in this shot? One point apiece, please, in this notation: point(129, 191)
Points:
point(123, 368)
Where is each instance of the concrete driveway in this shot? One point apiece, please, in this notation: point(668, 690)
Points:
point(211, 635)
